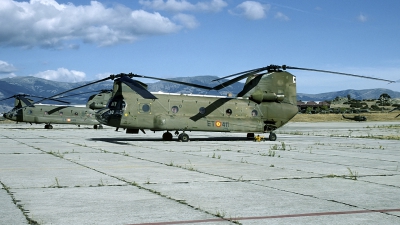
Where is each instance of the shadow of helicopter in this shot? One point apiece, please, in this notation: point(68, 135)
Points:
point(122, 141)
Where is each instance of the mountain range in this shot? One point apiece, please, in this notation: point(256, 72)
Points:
point(44, 88)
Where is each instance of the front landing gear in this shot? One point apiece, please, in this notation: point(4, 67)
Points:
point(272, 136)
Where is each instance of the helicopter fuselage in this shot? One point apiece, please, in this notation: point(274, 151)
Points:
point(52, 114)
point(187, 112)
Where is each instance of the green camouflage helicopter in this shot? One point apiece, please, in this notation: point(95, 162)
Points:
point(25, 111)
point(358, 118)
point(397, 108)
point(267, 102)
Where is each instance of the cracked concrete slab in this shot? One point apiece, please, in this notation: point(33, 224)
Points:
point(315, 173)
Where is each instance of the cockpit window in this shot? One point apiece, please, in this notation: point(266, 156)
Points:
point(117, 103)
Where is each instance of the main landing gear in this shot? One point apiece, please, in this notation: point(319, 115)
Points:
point(271, 137)
point(97, 126)
point(167, 136)
point(183, 137)
point(48, 126)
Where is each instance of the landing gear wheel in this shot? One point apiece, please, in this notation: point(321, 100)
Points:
point(183, 137)
point(250, 136)
point(272, 137)
point(48, 126)
point(95, 127)
point(100, 126)
point(167, 136)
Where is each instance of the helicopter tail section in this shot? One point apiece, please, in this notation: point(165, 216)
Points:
point(277, 86)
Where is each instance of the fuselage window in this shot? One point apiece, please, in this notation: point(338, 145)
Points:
point(76, 113)
point(45, 112)
point(29, 112)
point(174, 109)
point(202, 110)
point(61, 113)
point(228, 112)
point(254, 113)
point(145, 107)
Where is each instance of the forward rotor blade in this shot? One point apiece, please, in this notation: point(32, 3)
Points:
point(7, 98)
point(79, 94)
point(339, 73)
point(175, 81)
point(88, 84)
point(134, 85)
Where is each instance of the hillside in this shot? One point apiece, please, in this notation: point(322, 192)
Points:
point(41, 87)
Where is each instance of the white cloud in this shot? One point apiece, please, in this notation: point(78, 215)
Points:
point(251, 10)
point(281, 16)
point(187, 20)
point(5, 67)
point(183, 5)
point(362, 18)
point(62, 74)
point(48, 24)
point(7, 70)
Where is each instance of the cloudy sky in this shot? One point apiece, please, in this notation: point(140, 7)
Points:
point(71, 40)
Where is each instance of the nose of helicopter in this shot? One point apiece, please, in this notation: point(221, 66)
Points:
point(103, 115)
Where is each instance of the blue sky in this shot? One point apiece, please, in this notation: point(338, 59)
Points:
point(86, 40)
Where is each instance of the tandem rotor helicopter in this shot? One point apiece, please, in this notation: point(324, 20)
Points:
point(267, 102)
point(25, 111)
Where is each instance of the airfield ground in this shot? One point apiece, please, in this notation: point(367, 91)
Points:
point(343, 172)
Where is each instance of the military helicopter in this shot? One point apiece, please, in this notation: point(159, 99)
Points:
point(267, 102)
point(355, 118)
point(57, 114)
point(397, 108)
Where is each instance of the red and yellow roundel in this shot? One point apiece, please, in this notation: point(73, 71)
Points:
point(218, 123)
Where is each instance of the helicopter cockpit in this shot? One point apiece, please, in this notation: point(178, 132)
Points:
point(115, 108)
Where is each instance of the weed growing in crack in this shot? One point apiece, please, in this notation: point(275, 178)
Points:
point(352, 174)
point(271, 153)
point(220, 214)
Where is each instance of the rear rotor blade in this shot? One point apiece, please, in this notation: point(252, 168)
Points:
point(244, 72)
point(175, 81)
point(229, 82)
point(339, 73)
point(50, 99)
point(26, 101)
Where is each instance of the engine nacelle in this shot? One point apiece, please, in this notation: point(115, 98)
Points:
point(259, 97)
